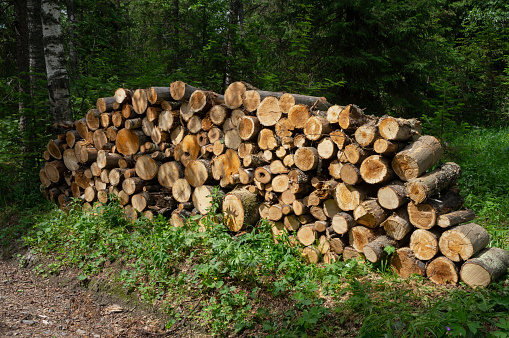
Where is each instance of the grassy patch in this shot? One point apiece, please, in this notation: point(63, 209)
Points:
point(248, 284)
point(483, 155)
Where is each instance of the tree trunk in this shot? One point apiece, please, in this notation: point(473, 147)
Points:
point(199, 172)
point(316, 127)
point(424, 243)
point(406, 264)
point(342, 223)
point(202, 199)
point(398, 225)
point(366, 134)
point(268, 112)
point(240, 207)
point(359, 236)
point(420, 189)
point(393, 195)
point(387, 148)
point(181, 190)
point(369, 213)
point(455, 217)
point(352, 117)
point(397, 129)
point(418, 157)
point(376, 170)
point(425, 215)
point(23, 69)
point(58, 81)
point(348, 197)
point(442, 270)
point(486, 267)
point(311, 254)
point(306, 158)
point(140, 101)
point(463, 241)
point(351, 253)
point(374, 250)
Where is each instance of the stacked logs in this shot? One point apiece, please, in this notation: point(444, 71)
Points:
point(339, 181)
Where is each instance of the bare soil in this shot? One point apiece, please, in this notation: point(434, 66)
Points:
point(35, 306)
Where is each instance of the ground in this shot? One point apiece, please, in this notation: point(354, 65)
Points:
point(32, 305)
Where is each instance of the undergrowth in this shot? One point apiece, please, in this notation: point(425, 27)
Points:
point(224, 284)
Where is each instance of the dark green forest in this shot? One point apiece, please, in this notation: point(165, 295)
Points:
point(442, 61)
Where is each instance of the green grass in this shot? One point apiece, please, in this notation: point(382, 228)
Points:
point(483, 155)
point(249, 285)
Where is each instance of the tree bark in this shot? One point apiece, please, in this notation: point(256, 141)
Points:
point(420, 189)
point(486, 267)
point(463, 241)
point(418, 157)
point(58, 81)
point(374, 250)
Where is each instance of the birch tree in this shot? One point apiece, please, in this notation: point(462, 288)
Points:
point(58, 80)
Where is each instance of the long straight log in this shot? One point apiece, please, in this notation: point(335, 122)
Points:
point(420, 189)
point(181, 91)
point(455, 217)
point(398, 129)
point(156, 95)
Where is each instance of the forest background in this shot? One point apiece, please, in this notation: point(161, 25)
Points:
point(444, 62)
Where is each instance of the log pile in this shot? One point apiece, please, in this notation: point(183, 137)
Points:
point(340, 182)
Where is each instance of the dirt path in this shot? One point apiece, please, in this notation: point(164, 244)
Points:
point(33, 306)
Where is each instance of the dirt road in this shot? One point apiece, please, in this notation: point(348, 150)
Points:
point(34, 306)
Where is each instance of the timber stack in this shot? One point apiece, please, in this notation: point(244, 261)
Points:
point(338, 181)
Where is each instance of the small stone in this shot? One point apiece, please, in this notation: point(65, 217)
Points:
point(80, 331)
point(97, 336)
point(28, 322)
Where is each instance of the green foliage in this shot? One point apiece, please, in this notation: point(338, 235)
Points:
point(483, 155)
point(445, 121)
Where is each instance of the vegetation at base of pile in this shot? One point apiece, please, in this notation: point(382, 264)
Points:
point(249, 283)
point(225, 284)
